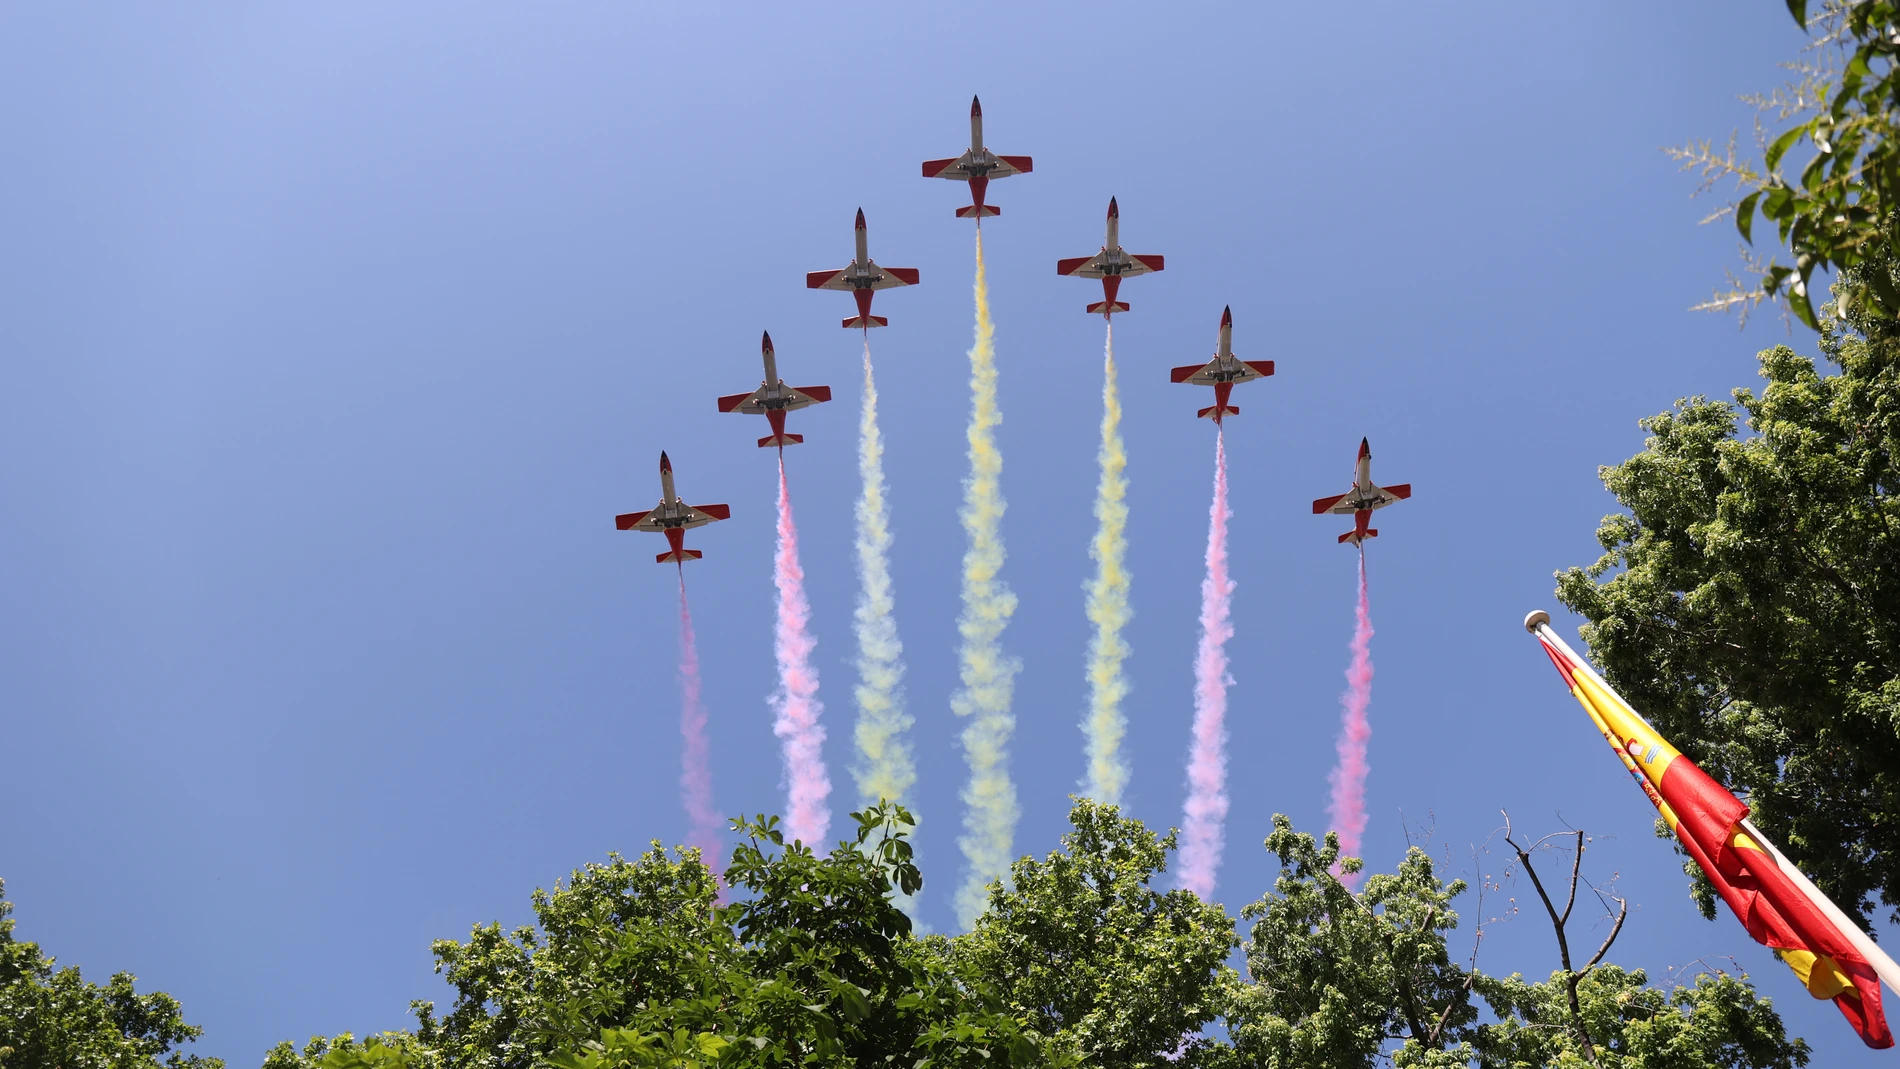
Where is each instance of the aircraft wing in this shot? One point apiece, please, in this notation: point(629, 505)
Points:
point(893, 277)
point(1386, 495)
point(700, 515)
point(827, 280)
point(635, 521)
point(743, 402)
point(695, 516)
point(1008, 165)
point(794, 398)
point(1212, 373)
point(951, 168)
point(1081, 266)
point(1337, 504)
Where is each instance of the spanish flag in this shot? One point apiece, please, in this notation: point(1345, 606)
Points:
point(1773, 900)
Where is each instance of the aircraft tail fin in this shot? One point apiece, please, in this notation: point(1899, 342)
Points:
point(1355, 537)
point(970, 211)
point(681, 557)
point(1103, 308)
point(865, 322)
point(780, 440)
point(1217, 411)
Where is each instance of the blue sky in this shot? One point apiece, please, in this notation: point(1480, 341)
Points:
point(336, 336)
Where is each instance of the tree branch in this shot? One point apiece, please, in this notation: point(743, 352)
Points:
point(1557, 922)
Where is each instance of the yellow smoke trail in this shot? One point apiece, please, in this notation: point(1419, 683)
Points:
point(884, 768)
point(989, 818)
point(1108, 600)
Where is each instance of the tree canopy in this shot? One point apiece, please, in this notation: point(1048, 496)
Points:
point(1749, 599)
point(1082, 959)
point(52, 1018)
point(1828, 177)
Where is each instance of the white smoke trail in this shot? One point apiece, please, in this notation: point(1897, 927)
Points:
point(884, 768)
point(1108, 607)
point(989, 677)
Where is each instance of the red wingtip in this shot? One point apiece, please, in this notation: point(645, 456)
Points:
point(1113, 212)
point(860, 219)
point(976, 107)
point(1227, 316)
point(665, 464)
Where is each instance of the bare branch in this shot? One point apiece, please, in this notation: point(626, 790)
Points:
point(1622, 913)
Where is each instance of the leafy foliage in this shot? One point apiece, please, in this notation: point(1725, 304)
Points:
point(1337, 976)
point(1837, 208)
point(51, 1018)
point(1085, 950)
point(1716, 1023)
point(1083, 961)
point(1749, 602)
point(637, 964)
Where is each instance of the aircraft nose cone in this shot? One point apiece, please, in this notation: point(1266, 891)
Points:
point(765, 341)
point(1227, 316)
point(665, 464)
point(1365, 450)
point(976, 107)
point(1113, 212)
point(860, 218)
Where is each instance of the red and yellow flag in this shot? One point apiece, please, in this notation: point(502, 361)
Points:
point(1772, 899)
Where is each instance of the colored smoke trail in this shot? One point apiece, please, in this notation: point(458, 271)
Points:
point(1205, 824)
point(1348, 810)
point(989, 818)
point(702, 820)
point(1108, 607)
point(884, 768)
point(801, 739)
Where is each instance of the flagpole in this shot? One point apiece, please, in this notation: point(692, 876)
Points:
point(1538, 623)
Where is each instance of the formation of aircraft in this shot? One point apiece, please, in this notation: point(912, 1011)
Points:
point(1362, 499)
point(978, 166)
point(773, 399)
point(673, 518)
point(1111, 265)
point(863, 277)
point(1223, 371)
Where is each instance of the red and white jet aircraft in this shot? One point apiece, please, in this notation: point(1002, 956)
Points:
point(1362, 499)
point(773, 399)
point(1111, 265)
point(1223, 371)
point(862, 277)
point(978, 166)
point(672, 517)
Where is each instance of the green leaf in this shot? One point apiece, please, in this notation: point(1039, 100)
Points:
point(1745, 216)
point(1799, 9)
point(1780, 146)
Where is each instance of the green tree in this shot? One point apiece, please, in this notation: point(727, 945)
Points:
point(1083, 948)
point(1828, 177)
point(51, 1018)
point(637, 964)
point(1336, 976)
point(1749, 600)
point(1340, 979)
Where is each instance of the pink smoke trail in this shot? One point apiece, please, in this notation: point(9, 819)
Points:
point(801, 739)
point(1207, 756)
point(1348, 810)
point(695, 760)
